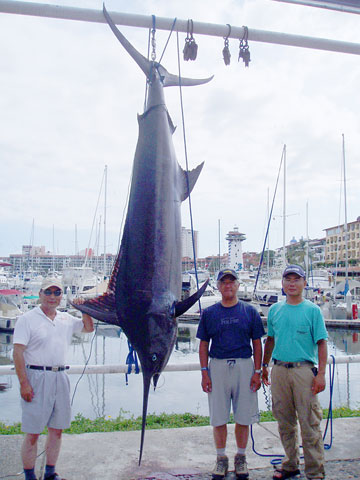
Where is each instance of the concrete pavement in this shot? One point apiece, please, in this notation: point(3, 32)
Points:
point(183, 453)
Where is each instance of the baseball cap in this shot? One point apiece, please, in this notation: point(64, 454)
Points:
point(294, 269)
point(51, 282)
point(227, 271)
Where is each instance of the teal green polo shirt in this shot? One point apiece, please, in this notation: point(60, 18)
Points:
point(296, 330)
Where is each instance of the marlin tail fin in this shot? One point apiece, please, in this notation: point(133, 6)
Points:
point(168, 80)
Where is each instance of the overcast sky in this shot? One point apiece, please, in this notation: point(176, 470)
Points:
point(69, 101)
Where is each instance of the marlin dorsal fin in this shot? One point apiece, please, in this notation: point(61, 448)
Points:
point(188, 180)
point(101, 308)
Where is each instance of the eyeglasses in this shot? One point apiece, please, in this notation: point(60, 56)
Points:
point(48, 292)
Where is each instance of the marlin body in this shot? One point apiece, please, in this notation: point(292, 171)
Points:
point(143, 296)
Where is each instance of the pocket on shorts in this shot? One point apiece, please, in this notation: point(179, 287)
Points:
point(316, 413)
point(36, 380)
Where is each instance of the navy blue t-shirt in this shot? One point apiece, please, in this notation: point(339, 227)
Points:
point(230, 329)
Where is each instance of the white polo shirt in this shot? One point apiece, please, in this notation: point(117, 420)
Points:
point(46, 340)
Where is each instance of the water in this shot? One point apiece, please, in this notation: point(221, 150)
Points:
point(177, 392)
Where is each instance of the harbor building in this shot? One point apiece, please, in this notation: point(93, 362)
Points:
point(187, 242)
point(235, 259)
point(336, 239)
point(45, 263)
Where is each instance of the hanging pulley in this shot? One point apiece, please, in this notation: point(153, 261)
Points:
point(244, 51)
point(191, 48)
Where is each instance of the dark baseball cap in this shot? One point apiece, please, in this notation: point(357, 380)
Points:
point(227, 271)
point(294, 269)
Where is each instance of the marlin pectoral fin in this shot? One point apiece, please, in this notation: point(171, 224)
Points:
point(101, 308)
point(183, 306)
point(188, 180)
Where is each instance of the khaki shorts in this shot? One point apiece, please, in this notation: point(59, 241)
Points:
point(51, 403)
point(230, 380)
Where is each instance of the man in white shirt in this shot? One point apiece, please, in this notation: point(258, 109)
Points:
point(41, 339)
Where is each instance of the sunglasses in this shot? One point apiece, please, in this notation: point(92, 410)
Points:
point(48, 292)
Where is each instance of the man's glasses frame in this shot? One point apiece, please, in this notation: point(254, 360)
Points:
point(48, 292)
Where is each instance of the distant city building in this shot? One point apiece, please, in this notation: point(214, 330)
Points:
point(336, 239)
point(187, 242)
point(32, 250)
point(235, 238)
point(46, 263)
point(251, 260)
point(295, 252)
point(210, 263)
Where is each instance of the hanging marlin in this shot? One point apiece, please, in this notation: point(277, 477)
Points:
point(143, 295)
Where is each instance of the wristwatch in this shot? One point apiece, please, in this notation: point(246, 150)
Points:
point(258, 371)
point(265, 365)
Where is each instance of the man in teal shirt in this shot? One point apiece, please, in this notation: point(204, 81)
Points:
point(297, 340)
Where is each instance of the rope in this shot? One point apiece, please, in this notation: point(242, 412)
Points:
point(86, 363)
point(167, 41)
point(277, 457)
point(187, 167)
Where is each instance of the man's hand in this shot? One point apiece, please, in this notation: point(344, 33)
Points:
point(206, 381)
point(26, 391)
point(255, 383)
point(318, 384)
point(78, 301)
point(265, 376)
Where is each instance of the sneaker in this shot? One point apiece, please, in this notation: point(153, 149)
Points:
point(241, 469)
point(221, 467)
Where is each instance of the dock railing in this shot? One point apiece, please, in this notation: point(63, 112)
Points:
point(185, 367)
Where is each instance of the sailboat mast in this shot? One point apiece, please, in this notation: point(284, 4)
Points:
point(268, 237)
point(284, 208)
point(53, 249)
point(219, 244)
point(345, 209)
point(307, 240)
point(105, 196)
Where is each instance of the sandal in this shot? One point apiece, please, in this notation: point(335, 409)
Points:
point(54, 476)
point(284, 474)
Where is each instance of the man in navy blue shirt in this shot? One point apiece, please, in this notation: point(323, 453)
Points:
point(230, 334)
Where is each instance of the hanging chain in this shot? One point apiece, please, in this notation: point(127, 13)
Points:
point(244, 52)
point(226, 51)
point(153, 41)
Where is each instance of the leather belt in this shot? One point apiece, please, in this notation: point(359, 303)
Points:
point(292, 364)
point(50, 369)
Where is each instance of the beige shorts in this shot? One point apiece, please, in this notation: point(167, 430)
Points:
point(230, 380)
point(51, 403)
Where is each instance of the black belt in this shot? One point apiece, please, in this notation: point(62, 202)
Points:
point(51, 369)
point(292, 364)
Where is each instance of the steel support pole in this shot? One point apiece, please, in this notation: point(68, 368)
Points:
point(162, 23)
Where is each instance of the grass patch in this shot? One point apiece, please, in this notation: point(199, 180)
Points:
point(126, 422)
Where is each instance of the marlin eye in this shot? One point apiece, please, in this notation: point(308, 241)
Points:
point(154, 357)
